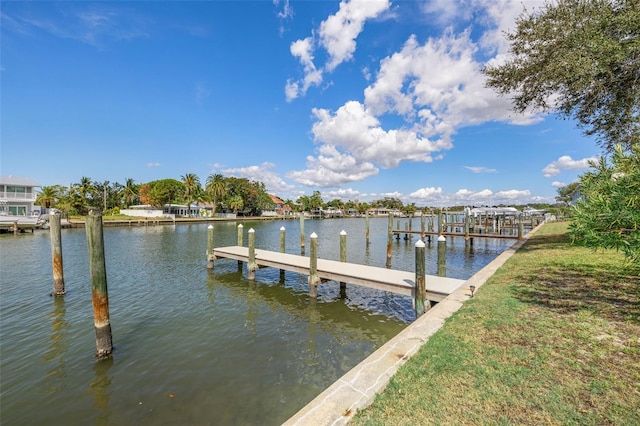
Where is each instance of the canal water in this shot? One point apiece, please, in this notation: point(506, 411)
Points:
point(192, 346)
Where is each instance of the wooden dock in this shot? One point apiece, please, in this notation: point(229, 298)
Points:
point(457, 234)
point(399, 282)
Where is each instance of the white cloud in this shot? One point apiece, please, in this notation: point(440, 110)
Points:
point(332, 168)
point(355, 130)
point(557, 184)
point(337, 35)
point(566, 163)
point(480, 169)
point(261, 173)
point(426, 193)
point(338, 32)
point(153, 164)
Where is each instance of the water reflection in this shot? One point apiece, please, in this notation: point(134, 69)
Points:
point(54, 357)
point(99, 388)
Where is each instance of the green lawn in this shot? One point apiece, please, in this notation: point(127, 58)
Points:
point(552, 338)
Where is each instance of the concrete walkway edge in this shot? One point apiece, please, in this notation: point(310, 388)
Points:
point(354, 391)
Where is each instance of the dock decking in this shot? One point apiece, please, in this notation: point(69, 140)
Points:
point(399, 282)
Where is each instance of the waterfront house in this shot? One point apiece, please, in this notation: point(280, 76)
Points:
point(18, 196)
point(281, 208)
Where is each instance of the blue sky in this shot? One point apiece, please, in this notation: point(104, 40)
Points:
point(359, 100)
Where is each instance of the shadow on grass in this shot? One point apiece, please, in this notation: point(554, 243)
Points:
point(577, 283)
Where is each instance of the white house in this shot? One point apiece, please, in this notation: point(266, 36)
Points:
point(18, 196)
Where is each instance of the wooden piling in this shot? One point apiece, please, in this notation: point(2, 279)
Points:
point(210, 247)
point(442, 256)
point(366, 222)
point(99, 293)
point(240, 243)
point(343, 255)
point(422, 226)
point(389, 240)
point(15, 228)
point(422, 304)
point(520, 228)
point(282, 249)
point(56, 254)
point(252, 266)
point(314, 279)
point(302, 232)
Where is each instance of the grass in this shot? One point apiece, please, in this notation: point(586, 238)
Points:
point(552, 338)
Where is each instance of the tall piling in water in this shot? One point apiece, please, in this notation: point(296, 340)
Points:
point(389, 240)
point(442, 256)
point(343, 258)
point(56, 254)
point(314, 279)
point(240, 243)
point(302, 233)
point(252, 266)
point(210, 247)
point(421, 303)
point(282, 249)
point(99, 293)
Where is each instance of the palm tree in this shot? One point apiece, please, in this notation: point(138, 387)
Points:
point(235, 203)
point(48, 196)
point(191, 183)
point(84, 188)
point(129, 192)
point(216, 188)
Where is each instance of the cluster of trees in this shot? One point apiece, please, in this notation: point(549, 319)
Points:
point(239, 195)
point(581, 59)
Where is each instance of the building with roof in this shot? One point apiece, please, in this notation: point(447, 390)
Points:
point(18, 196)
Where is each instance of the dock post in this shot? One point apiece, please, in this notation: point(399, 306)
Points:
point(240, 243)
point(210, 247)
point(343, 258)
point(302, 233)
point(282, 249)
point(389, 240)
point(442, 256)
point(15, 228)
point(56, 254)
point(422, 226)
point(440, 223)
point(366, 222)
point(252, 266)
point(99, 293)
point(466, 225)
point(314, 280)
point(420, 297)
point(406, 231)
point(520, 227)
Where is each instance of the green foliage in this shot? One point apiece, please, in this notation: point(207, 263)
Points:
point(608, 214)
point(160, 192)
point(580, 58)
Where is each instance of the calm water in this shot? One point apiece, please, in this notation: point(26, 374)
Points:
point(193, 346)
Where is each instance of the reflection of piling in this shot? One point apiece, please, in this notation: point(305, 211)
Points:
point(422, 304)
point(252, 266)
point(389, 240)
point(442, 256)
point(314, 279)
point(343, 258)
point(99, 294)
point(56, 254)
point(210, 247)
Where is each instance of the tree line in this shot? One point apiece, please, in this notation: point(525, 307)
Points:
point(239, 195)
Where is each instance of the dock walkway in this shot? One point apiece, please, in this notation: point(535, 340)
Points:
point(395, 281)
